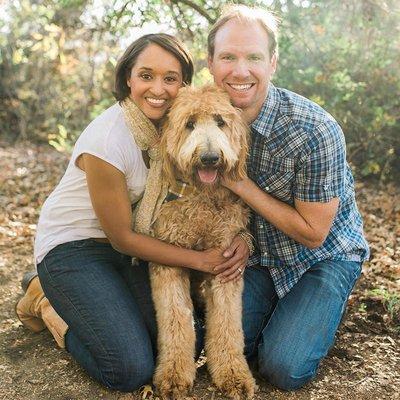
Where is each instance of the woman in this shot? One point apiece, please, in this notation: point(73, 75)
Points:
point(84, 241)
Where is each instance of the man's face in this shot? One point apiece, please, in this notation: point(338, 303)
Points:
point(242, 65)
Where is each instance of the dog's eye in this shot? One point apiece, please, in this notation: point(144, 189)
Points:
point(220, 121)
point(190, 125)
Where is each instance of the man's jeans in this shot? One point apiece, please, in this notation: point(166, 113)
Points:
point(291, 335)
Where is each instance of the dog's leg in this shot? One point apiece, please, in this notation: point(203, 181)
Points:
point(224, 340)
point(176, 369)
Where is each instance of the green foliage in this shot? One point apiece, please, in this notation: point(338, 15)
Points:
point(57, 60)
point(362, 308)
point(60, 140)
point(52, 71)
point(391, 302)
point(345, 56)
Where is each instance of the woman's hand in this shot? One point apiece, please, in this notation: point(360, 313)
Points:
point(209, 260)
point(237, 255)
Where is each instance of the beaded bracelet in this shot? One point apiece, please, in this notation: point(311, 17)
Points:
point(248, 238)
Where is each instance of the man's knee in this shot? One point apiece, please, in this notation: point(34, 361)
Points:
point(284, 372)
point(129, 375)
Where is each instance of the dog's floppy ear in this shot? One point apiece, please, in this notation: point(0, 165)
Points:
point(169, 170)
point(241, 131)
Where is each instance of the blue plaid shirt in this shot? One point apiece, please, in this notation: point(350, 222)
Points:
point(298, 151)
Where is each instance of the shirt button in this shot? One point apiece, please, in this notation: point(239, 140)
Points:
point(262, 226)
point(265, 253)
point(267, 188)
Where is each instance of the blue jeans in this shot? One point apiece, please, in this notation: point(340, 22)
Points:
point(107, 305)
point(289, 337)
point(106, 302)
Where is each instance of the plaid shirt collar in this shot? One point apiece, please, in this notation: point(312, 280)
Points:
point(264, 122)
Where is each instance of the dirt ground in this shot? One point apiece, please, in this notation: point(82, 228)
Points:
point(363, 364)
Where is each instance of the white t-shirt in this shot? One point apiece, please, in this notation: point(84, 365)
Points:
point(68, 214)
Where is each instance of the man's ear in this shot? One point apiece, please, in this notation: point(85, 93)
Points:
point(274, 62)
point(210, 65)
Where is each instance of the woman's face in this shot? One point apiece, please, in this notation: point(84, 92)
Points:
point(155, 80)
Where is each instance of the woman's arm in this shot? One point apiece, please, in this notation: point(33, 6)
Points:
point(109, 195)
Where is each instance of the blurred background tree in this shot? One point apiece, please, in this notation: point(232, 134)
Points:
point(57, 59)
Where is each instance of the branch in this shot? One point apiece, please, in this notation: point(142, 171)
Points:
point(183, 17)
point(121, 11)
point(196, 7)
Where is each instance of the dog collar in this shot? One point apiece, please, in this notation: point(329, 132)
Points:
point(178, 190)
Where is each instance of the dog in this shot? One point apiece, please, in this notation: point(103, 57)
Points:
point(204, 140)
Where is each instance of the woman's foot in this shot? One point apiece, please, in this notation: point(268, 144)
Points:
point(36, 313)
point(28, 307)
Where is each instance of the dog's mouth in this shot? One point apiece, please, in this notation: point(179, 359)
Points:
point(207, 175)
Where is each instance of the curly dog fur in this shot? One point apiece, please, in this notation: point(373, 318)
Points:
point(203, 140)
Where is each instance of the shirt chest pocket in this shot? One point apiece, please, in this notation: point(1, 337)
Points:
point(276, 176)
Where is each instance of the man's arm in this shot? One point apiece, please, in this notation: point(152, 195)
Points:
point(307, 222)
point(318, 183)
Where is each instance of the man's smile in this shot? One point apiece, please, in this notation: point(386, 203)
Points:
point(241, 87)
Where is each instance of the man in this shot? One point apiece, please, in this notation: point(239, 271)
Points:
point(307, 228)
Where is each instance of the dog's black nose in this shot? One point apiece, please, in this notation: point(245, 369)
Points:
point(209, 158)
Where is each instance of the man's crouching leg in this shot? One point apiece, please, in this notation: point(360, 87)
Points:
point(302, 328)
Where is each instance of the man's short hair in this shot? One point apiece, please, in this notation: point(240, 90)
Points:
point(267, 20)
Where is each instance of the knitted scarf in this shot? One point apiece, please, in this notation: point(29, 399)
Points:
point(147, 138)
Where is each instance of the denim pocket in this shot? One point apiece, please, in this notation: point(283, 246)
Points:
point(77, 244)
point(356, 272)
point(350, 272)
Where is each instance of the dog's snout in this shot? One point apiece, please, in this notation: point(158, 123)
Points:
point(209, 158)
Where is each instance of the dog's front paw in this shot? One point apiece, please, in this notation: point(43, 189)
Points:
point(236, 381)
point(174, 382)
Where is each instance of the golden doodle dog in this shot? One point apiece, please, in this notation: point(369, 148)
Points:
point(204, 139)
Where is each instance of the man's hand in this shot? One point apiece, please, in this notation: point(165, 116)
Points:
point(237, 253)
point(233, 186)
